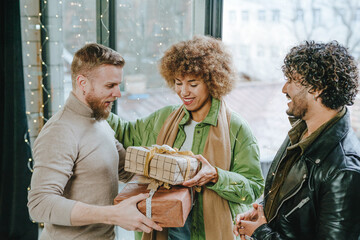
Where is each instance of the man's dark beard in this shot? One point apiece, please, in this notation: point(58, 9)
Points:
point(99, 110)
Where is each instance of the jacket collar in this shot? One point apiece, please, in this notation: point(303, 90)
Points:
point(211, 117)
point(330, 138)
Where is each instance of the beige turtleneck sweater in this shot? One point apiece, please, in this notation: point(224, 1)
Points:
point(76, 159)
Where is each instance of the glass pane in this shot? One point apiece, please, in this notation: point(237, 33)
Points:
point(145, 29)
point(52, 32)
point(260, 33)
point(79, 28)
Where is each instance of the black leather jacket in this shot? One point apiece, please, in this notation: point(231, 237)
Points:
point(322, 190)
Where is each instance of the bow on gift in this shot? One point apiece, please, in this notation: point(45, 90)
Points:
point(165, 149)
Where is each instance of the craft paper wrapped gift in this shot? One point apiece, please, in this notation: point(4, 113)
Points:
point(169, 207)
point(169, 168)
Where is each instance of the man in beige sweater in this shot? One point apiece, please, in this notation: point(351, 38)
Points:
point(78, 162)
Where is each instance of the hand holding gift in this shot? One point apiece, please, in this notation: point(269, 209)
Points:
point(166, 207)
point(206, 174)
point(130, 218)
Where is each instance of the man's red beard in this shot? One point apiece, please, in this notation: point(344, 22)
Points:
point(100, 112)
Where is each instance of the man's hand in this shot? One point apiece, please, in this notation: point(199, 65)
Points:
point(206, 174)
point(248, 226)
point(251, 215)
point(127, 216)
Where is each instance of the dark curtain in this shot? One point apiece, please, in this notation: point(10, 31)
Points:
point(14, 173)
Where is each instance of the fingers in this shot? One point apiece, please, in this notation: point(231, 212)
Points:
point(192, 182)
point(205, 175)
point(138, 198)
point(262, 217)
point(235, 230)
point(242, 227)
point(148, 222)
point(143, 228)
point(240, 217)
point(261, 211)
point(201, 158)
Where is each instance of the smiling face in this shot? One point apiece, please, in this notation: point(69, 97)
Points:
point(103, 89)
point(298, 97)
point(195, 95)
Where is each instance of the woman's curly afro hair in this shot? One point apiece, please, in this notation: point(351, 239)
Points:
point(325, 67)
point(203, 57)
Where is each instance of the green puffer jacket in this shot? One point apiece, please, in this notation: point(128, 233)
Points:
point(241, 186)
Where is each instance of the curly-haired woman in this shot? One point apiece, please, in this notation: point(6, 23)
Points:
point(201, 73)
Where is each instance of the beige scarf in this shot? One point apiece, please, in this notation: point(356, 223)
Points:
point(217, 150)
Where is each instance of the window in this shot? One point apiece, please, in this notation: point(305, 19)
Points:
point(145, 29)
point(245, 15)
point(232, 17)
point(299, 15)
point(51, 33)
point(261, 15)
point(78, 21)
point(275, 15)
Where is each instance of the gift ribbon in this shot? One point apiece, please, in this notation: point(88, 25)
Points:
point(154, 184)
point(165, 149)
point(148, 203)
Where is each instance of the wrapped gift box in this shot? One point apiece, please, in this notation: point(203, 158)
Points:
point(169, 207)
point(169, 168)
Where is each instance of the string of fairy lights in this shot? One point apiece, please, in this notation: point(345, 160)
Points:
point(34, 110)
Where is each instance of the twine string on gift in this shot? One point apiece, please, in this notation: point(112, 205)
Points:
point(148, 203)
point(165, 149)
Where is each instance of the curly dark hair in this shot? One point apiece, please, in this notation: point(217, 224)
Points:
point(203, 57)
point(327, 67)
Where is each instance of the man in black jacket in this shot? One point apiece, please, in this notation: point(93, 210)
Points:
point(312, 189)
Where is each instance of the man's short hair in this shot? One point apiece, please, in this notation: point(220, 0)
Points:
point(327, 67)
point(90, 57)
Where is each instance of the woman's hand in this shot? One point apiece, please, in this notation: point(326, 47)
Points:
point(206, 174)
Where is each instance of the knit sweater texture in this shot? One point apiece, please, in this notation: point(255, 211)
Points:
point(76, 159)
